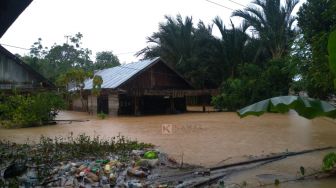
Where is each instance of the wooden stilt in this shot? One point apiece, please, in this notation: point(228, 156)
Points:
point(203, 102)
point(172, 105)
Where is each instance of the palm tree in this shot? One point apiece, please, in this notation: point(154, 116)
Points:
point(231, 48)
point(272, 22)
point(173, 42)
point(187, 48)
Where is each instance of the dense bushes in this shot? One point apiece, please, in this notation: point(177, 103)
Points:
point(28, 110)
point(254, 83)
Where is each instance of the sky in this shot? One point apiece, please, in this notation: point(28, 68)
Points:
point(120, 26)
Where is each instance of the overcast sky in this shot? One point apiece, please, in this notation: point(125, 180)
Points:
point(120, 26)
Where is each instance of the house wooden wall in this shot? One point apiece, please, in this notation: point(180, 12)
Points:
point(16, 74)
point(12, 74)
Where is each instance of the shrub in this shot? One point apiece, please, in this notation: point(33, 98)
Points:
point(102, 115)
point(329, 161)
point(29, 110)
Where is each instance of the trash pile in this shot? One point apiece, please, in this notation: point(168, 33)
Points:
point(107, 172)
point(131, 171)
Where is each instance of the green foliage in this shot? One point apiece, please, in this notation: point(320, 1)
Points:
point(105, 60)
point(97, 81)
point(101, 115)
point(276, 182)
point(332, 53)
point(273, 23)
point(316, 20)
point(302, 170)
point(329, 161)
point(232, 96)
point(253, 85)
point(195, 52)
point(305, 107)
point(75, 79)
point(57, 60)
point(29, 110)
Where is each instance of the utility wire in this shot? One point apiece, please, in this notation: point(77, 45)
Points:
point(14, 46)
point(219, 5)
point(123, 53)
point(238, 3)
point(22, 48)
point(122, 66)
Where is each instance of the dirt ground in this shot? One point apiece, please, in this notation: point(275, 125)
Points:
point(198, 138)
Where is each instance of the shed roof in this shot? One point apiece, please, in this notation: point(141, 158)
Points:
point(115, 76)
point(9, 11)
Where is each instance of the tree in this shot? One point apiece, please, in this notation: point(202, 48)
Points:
point(316, 20)
point(193, 51)
point(105, 59)
point(306, 107)
point(173, 42)
point(59, 58)
point(233, 43)
point(74, 79)
point(272, 23)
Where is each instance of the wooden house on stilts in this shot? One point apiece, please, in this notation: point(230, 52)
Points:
point(145, 87)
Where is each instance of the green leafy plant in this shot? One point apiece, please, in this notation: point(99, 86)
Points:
point(329, 161)
point(332, 53)
point(29, 110)
point(276, 182)
point(97, 81)
point(302, 170)
point(102, 115)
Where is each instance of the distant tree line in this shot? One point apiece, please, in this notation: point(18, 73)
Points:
point(67, 59)
point(265, 56)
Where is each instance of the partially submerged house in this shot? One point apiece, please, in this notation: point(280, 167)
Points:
point(14, 73)
point(145, 87)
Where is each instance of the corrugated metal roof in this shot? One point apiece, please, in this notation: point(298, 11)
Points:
point(115, 76)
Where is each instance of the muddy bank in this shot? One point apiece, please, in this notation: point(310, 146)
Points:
point(201, 138)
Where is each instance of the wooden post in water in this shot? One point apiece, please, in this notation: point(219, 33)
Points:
point(172, 105)
point(136, 105)
point(203, 102)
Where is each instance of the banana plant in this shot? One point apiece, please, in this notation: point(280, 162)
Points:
point(306, 107)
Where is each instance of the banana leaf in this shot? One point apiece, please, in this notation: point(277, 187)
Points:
point(304, 106)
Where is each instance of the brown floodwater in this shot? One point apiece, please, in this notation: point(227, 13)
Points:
point(201, 138)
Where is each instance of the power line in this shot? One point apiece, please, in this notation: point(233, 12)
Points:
point(123, 53)
point(219, 5)
point(22, 48)
point(237, 3)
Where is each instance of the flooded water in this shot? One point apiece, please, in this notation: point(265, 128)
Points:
point(284, 170)
point(201, 138)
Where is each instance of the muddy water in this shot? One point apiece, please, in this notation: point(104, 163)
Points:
point(207, 138)
point(201, 138)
